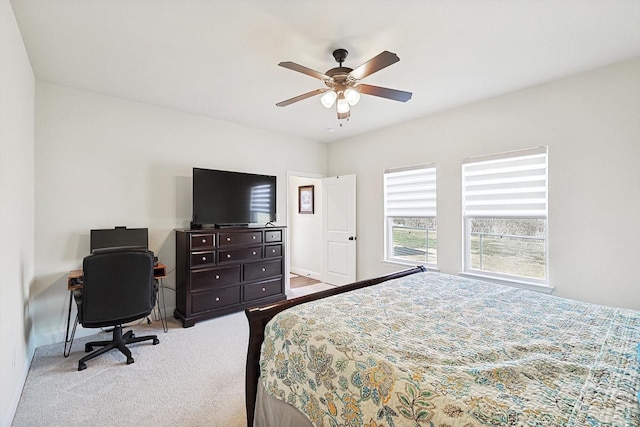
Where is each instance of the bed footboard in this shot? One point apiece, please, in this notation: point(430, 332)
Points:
point(259, 316)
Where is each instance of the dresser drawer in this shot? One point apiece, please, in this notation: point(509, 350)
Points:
point(240, 254)
point(272, 251)
point(261, 270)
point(201, 241)
point(227, 239)
point(273, 236)
point(262, 289)
point(202, 258)
point(219, 298)
point(213, 277)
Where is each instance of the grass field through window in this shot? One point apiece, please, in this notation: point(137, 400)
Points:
point(514, 246)
point(508, 246)
point(515, 255)
point(415, 244)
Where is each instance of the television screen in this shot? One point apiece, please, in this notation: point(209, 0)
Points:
point(224, 198)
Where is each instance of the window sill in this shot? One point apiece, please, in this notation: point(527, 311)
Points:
point(429, 267)
point(546, 289)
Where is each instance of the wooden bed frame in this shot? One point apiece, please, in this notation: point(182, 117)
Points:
point(259, 317)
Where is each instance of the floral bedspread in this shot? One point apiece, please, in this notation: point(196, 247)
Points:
point(432, 349)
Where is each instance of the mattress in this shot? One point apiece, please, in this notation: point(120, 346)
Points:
point(437, 349)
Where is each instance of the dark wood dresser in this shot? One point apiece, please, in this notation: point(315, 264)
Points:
point(219, 271)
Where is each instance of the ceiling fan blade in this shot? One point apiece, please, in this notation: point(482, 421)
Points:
point(376, 63)
point(383, 92)
point(304, 70)
point(301, 97)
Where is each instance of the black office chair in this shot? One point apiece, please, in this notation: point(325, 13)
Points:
point(118, 288)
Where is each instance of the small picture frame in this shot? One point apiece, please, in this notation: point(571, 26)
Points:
point(305, 199)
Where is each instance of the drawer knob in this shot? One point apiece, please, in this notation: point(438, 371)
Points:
point(228, 239)
point(273, 251)
point(228, 255)
point(217, 276)
point(204, 240)
point(204, 258)
point(264, 269)
point(254, 252)
point(254, 237)
point(217, 299)
point(264, 289)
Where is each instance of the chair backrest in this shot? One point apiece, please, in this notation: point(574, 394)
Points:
point(118, 287)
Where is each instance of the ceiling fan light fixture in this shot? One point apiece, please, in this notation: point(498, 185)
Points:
point(352, 96)
point(328, 99)
point(343, 104)
point(343, 116)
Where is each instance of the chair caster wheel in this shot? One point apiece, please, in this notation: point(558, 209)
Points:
point(156, 341)
point(129, 360)
point(88, 348)
point(82, 366)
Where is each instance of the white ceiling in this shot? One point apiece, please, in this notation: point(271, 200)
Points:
point(219, 58)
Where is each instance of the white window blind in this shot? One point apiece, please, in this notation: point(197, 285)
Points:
point(506, 185)
point(410, 192)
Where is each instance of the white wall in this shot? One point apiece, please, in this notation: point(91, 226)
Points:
point(591, 123)
point(17, 86)
point(305, 230)
point(102, 162)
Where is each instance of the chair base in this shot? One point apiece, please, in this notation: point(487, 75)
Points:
point(119, 342)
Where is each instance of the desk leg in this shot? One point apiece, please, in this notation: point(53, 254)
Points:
point(73, 333)
point(163, 316)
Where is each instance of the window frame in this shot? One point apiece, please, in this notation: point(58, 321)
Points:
point(501, 277)
point(430, 168)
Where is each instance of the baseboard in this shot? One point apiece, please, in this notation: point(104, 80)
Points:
point(55, 336)
point(7, 418)
point(306, 273)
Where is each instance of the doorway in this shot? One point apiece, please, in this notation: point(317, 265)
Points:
point(312, 237)
point(304, 229)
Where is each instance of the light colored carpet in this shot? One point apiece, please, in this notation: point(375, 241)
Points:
point(194, 377)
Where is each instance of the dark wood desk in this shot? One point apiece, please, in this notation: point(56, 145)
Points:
point(74, 283)
point(74, 278)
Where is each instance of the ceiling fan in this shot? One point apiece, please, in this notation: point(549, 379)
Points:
point(343, 87)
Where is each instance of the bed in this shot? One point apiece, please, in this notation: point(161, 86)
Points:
point(419, 348)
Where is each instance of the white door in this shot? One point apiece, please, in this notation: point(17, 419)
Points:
point(339, 229)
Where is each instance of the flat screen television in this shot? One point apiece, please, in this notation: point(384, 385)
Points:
point(225, 198)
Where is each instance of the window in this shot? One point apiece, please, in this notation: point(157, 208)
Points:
point(410, 215)
point(504, 204)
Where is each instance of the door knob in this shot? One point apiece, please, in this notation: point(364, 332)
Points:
point(352, 238)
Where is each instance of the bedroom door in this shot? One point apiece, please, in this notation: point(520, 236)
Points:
point(339, 229)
